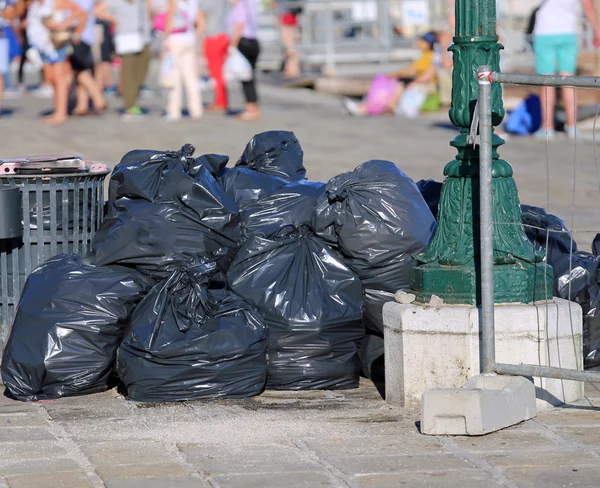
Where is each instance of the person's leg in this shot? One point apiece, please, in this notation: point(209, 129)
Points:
point(4, 65)
point(46, 74)
point(82, 107)
point(289, 34)
point(215, 49)
point(188, 73)
point(26, 46)
point(104, 67)
point(61, 76)
point(129, 80)
point(250, 49)
point(176, 92)
point(89, 85)
point(567, 66)
point(83, 64)
point(143, 63)
point(545, 64)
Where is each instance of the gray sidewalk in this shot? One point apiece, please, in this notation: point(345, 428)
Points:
point(337, 439)
point(307, 439)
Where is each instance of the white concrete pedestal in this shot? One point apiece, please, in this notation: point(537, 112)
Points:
point(438, 347)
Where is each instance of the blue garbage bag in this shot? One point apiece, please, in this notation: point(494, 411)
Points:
point(526, 118)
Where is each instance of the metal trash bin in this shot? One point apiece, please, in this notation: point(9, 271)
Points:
point(62, 202)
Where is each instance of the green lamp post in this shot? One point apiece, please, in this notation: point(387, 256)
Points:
point(450, 267)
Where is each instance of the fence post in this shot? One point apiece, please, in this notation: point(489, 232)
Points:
point(488, 350)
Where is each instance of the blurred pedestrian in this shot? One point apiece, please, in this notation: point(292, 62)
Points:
point(22, 7)
point(555, 46)
point(106, 49)
point(289, 10)
point(444, 75)
point(41, 48)
point(8, 13)
point(82, 63)
point(180, 45)
point(243, 31)
point(420, 75)
point(132, 44)
point(213, 24)
point(59, 18)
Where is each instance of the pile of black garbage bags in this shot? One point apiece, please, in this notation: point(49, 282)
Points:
point(206, 281)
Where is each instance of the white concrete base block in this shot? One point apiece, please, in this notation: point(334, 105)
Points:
point(487, 403)
point(438, 347)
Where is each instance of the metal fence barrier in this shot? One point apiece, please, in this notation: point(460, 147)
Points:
point(488, 344)
point(61, 214)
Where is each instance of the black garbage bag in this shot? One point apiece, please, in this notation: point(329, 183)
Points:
point(547, 232)
point(431, 191)
point(576, 275)
point(312, 304)
point(277, 153)
point(292, 205)
point(372, 355)
point(577, 280)
point(190, 340)
point(371, 349)
point(163, 176)
point(378, 220)
point(159, 238)
point(70, 321)
point(247, 186)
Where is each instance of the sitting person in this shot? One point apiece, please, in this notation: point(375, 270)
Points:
point(422, 74)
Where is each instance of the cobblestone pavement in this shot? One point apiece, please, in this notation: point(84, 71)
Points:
point(346, 439)
point(337, 439)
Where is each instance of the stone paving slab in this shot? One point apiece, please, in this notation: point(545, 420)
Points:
point(159, 483)
point(70, 479)
point(470, 478)
point(550, 476)
point(275, 480)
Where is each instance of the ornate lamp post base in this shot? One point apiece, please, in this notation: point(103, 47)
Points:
point(514, 283)
point(449, 268)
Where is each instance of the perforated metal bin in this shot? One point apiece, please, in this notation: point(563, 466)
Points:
point(61, 212)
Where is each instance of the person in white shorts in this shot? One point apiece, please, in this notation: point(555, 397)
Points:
point(7, 13)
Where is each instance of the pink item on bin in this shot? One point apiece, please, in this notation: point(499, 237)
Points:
point(380, 94)
point(51, 165)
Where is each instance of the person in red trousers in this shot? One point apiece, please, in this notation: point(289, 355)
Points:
point(216, 43)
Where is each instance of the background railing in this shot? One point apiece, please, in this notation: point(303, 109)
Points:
point(335, 33)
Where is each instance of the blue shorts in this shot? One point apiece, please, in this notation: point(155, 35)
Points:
point(555, 54)
point(58, 56)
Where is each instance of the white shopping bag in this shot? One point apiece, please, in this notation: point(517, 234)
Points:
point(237, 67)
point(411, 102)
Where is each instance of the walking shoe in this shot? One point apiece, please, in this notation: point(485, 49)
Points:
point(572, 132)
point(544, 134)
point(13, 92)
point(171, 118)
point(132, 114)
point(351, 107)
